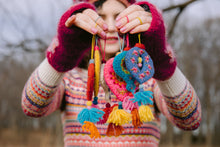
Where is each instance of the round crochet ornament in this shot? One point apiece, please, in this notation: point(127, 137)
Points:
point(139, 64)
point(116, 85)
point(121, 71)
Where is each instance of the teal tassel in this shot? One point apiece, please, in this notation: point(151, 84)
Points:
point(91, 115)
point(143, 97)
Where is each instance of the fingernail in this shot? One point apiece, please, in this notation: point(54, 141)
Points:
point(103, 34)
point(118, 18)
point(132, 31)
point(67, 22)
point(94, 30)
point(118, 24)
point(105, 26)
point(123, 29)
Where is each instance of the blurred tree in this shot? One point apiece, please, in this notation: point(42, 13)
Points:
point(25, 36)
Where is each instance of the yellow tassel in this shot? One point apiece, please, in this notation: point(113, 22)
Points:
point(145, 113)
point(97, 71)
point(90, 127)
point(119, 117)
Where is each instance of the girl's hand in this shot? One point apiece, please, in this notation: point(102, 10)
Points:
point(89, 21)
point(133, 19)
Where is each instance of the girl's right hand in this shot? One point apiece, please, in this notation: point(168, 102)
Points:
point(89, 21)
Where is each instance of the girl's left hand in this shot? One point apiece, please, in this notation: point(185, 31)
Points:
point(133, 19)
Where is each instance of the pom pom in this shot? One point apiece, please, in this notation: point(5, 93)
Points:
point(90, 81)
point(119, 117)
point(114, 130)
point(127, 48)
point(128, 104)
point(95, 101)
point(136, 118)
point(92, 115)
point(90, 127)
point(140, 45)
point(89, 103)
point(145, 113)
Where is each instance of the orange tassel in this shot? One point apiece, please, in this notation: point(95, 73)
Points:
point(90, 127)
point(114, 130)
point(136, 118)
point(91, 79)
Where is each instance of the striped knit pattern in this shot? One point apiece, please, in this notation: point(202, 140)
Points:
point(74, 82)
point(37, 98)
point(183, 110)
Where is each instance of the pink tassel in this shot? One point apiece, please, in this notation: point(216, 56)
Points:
point(128, 104)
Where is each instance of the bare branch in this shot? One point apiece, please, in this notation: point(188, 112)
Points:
point(41, 45)
point(181, 8)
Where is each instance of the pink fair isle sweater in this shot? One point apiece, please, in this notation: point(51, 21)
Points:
point(46, 89)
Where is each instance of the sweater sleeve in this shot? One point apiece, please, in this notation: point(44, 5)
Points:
point(43, 92)
point(178, 101)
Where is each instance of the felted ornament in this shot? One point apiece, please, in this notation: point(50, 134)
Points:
point(90, 115)
point(90, 81)
point(97, 70)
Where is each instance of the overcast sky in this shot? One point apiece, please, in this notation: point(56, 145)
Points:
point(15, 16)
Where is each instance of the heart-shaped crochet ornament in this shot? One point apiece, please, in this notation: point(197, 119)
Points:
point(136, 56)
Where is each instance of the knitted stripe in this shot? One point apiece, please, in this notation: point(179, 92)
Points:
point(37, 97)
point(183, 110)
point(147, 135)
point(40, 99)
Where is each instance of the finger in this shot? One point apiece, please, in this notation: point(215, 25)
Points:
point(128, 11)
point(129, 18)
point(70, 21)
point(86, 23)
point(96, 18)
point(138, 21)
point(140, 28)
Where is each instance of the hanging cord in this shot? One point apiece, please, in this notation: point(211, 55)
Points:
point(121, 46)
point(139, 38)
point(103, 55)
point(92, 46)
point(127, 39)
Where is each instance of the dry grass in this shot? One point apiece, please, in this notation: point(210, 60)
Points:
point(29, 138)
point(39, 138)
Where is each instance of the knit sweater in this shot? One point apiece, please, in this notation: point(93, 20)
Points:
point(47, 89)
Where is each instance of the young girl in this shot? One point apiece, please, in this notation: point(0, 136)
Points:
point(60, 81)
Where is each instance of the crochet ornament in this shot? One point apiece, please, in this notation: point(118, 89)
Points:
point(133, 65)
point(139, 63)
point(123, 75)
